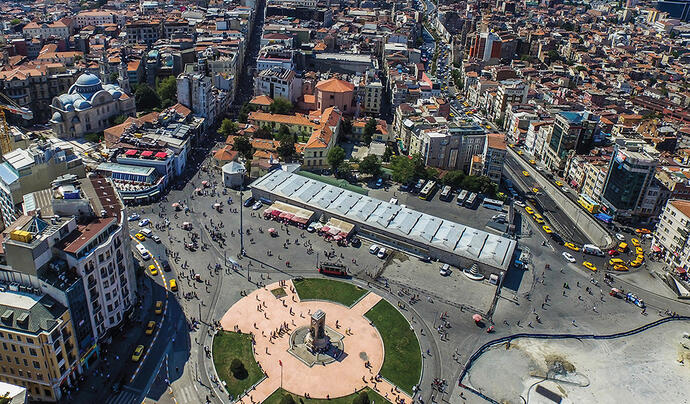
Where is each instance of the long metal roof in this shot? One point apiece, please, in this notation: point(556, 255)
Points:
point(401, 222)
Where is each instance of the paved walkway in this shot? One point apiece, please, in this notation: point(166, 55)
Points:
point(362, 343)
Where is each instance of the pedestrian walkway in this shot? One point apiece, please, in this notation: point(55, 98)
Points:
point(124, 397)
point(262, 314)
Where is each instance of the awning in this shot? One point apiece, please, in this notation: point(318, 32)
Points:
point(161, 155)
point(275, 213)
point(130, 152)
point(147, 153)
point(325, 228)
point(300, 219)
point(656, 248)
point(681, 270)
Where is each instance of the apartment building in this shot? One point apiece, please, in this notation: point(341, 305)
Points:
point(494, 156)
point(451, 147)
point(73, 244)
point(38, 350)
point(35, 87)
point(58, 29)
point(512, 91)
point(371, 99)
point(143, 32)
point(278, 82)
point(32, 169)
point(95, 18)
point(671, 234)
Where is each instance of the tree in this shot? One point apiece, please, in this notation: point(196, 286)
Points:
point(369, 130)
point(287, 399)
point(431, 173)
point(228, 127)
point(167, 91)
point(335, 156)
point(283, 132)
point(118, 120)
point(370, 165)
point(454, 178)
point(286, 149)
point(93, 137)
point(263, 133)
point(362, 398)
point(113, 77)
point(243, 146)
point(344, 170)
point(403, 169)
point(387, 154)
point(244, 112)
point(281, 106)
point(238, 370)
point(15, 21)
point(146, 98)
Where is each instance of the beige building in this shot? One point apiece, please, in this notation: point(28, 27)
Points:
point(671, 235)
point(38, 349)
point(59, 29)
point(88, 107)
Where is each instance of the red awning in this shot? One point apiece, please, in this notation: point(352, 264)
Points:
point(275, 213)
point(299, 219)
point(681, 270)
point(656, 248)
point(325, 228)
point(130, 152)
point(147, 153)
point(161, 155)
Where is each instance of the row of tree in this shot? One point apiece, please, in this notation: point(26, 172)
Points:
point(163, 96)
point(408, 168)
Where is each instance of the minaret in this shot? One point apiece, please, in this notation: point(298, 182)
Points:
point(122, 76)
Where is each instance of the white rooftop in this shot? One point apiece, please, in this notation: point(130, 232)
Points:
point(467, 242)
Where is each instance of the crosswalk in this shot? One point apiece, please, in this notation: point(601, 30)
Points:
point(186, 394)
point(124, 397)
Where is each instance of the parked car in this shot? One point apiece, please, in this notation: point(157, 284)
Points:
point(156, 238)
point(382, 253)
point(379, 183)
point(257, 205)
point(373, 249)
point(248, 202)
point(144, 222)
point(620, 237)
point(444, 270)
point(133, 217)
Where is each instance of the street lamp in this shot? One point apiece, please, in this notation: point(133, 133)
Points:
point(241, 228)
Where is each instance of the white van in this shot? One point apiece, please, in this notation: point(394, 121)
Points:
point(146, 231)
point(143, 252)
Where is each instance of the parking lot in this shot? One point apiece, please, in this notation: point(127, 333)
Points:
point(477, 217)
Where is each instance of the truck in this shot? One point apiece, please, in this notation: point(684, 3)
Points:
point(591, 249)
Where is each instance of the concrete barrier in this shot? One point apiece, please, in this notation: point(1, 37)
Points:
point(588, 224)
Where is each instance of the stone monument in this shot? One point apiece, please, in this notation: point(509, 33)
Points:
point(317, 340)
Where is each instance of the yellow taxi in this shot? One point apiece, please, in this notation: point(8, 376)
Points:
point(150, 327)
point(547, 229)
point(616, 261)
point(643, 231)
point(487, 127)
point(589, 265)
point(153, 269)
point(139, 237)
point(525, 173)
point(529, 210)
point(635, 263)
point(137, 353)
point(519, 152)
point(572, 246)
point(173, 285)
point(639, 258)
point(159, 307)
point(558, 183)
point(639, 251)
point(532, 162)
point(620, 267)
point(451, 114)
point(535, 190)
point(635, 242)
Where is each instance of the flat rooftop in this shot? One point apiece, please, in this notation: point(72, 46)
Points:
point(400, 222)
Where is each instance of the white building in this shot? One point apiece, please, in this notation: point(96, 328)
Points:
point(58, 29)
point(671, 235)
point(195, 91)
point(95, 18)
point(88, 107)
point(278, 82)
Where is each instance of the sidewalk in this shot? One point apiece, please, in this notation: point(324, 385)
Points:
point(108, 370)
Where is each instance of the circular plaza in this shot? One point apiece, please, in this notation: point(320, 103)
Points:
point(316, 339)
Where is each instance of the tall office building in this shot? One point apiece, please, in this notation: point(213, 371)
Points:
point(627, 184)
point(679, 9)
point(572, 132)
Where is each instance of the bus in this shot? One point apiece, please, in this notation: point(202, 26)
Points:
point(446, 193)
point(462, 196)
point(493, 204)
point(428, 189)
point(419, 186)
point(588, 203)
point(469, 203)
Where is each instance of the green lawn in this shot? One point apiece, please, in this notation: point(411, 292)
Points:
point(327, 289)
point(278, 395)
point(226, 347)
point(402, 363)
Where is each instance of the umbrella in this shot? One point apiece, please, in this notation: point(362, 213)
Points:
point(271, 230)
point(477, 318)
point(204, 183)
point(216, 205)
point(175, 205)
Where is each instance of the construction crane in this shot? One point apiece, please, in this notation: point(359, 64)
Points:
point(10, 106)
